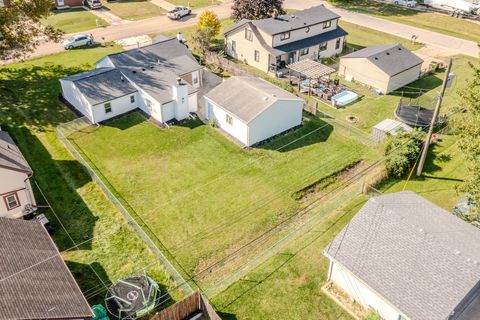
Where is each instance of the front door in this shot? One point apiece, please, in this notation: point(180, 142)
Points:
point(292, 57)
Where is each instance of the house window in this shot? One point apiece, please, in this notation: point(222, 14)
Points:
point(248, 34)
point(322, 46)
point(327, 24)
point(229, 119)
point(132, 99)
point(195, 79)
point(108, 107)
point(337, 44)
point(11, 201)
point(304, 52)
point(149, 104)
point(256, 55)
point(285, 36)
point(234, 46)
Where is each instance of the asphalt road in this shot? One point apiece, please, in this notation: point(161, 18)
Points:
point(162, 23)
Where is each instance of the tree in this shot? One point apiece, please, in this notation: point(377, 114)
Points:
point(255, 9)
point(209, 20)
point(402, 152)
point(468, 127)
point(200, 41)
point(20, 27)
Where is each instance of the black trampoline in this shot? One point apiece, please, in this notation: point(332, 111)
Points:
point(415, 116)
point(132, 298)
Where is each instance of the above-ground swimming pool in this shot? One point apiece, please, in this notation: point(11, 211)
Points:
point(343, 98)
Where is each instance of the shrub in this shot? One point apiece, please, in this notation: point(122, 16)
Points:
point(403, 151)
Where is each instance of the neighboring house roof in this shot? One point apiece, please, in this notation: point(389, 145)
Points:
point(247, 97)
point(312, 41)
point(391, 59)
point(35, 282)
point(102, 85)
point(419, 257)
point(288, 22)
point(10, 155)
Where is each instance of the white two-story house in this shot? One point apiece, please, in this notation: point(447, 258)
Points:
point(270, 44)
point(162, 80)
point(16, 194)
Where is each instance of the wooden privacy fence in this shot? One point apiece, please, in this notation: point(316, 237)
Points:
point(188, 308)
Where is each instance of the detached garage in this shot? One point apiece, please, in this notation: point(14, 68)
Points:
point(251, 109)
point(385, 68)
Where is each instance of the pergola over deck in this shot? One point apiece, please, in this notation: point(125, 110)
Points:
point(310, 69)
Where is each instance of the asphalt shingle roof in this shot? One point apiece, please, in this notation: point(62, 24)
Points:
point(415, 254)
point(10, 156)
point(102, 85)
point(247, 97)
point(391, 59)
point(297, 20)
point(35, 283)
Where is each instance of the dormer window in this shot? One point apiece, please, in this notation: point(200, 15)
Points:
point(285, 36)
point(327, 24)
point(248, 34)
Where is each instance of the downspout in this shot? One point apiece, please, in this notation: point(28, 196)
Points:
point(29, 196)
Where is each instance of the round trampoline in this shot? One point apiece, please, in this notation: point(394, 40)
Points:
point(415, 116)
point(133, 297)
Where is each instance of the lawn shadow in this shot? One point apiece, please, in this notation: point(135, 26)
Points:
point(191, 124)
point(313, 131)
point(59, 181)
point(124, 122)
point(419, 87)
point(92, 280)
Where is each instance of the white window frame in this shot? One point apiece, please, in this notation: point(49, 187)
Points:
point(285, 36)
point(229, 119)
point(249, 34)
point(256, 55)
point(15, 199)
point(323, 46)
point(132, 99)
point(327, 24)
point(107, 107)
point(304, 51)
point(234, 46)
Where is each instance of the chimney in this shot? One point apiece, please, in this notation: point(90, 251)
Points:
point(180, 95)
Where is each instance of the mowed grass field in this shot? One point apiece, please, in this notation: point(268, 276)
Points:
point(436, 22)
point(73, 20)
point(133, 9)
point(194, 4)
point(202, 195)
point(108, 249)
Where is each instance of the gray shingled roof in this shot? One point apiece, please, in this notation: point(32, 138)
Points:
point(247, 97)
point(102, 85)
point(391, 59)
point(10, 155)
point(287, 22)
point(35, 283)
point(415, 254)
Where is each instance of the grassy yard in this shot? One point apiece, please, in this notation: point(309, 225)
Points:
point(134, 9)
point(440, 23)
point(209, 197)
point(30, 111)
point(73, 20)
point(195, 4)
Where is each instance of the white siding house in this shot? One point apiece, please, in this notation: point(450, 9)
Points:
point(162, 80)
point(16, 195)
point(252, 110)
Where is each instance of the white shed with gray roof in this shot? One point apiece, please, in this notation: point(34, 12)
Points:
point(407, 258)
point(251, 109)
point(385, 67)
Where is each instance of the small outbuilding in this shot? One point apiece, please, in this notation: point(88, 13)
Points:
point(251, 109)
point(385, 68)
point(389, 127)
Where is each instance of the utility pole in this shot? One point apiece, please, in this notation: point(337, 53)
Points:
point(421, 163)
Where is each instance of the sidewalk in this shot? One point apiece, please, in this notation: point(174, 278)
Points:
point(112, 19)
point(163, 4)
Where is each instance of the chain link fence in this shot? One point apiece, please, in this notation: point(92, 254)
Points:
point(82, 126)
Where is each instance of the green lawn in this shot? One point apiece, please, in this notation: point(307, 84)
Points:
point(195, 4)
point(73, 20)
point(30, 111)
point(371, 109)
point(208, 197)
point(440, 23)
point(360, 37)
point(134, 9)
point(444, 169)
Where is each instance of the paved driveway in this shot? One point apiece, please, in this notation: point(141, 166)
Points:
point(162, 23)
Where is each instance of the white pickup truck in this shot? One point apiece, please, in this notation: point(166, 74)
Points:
point(179, 12)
